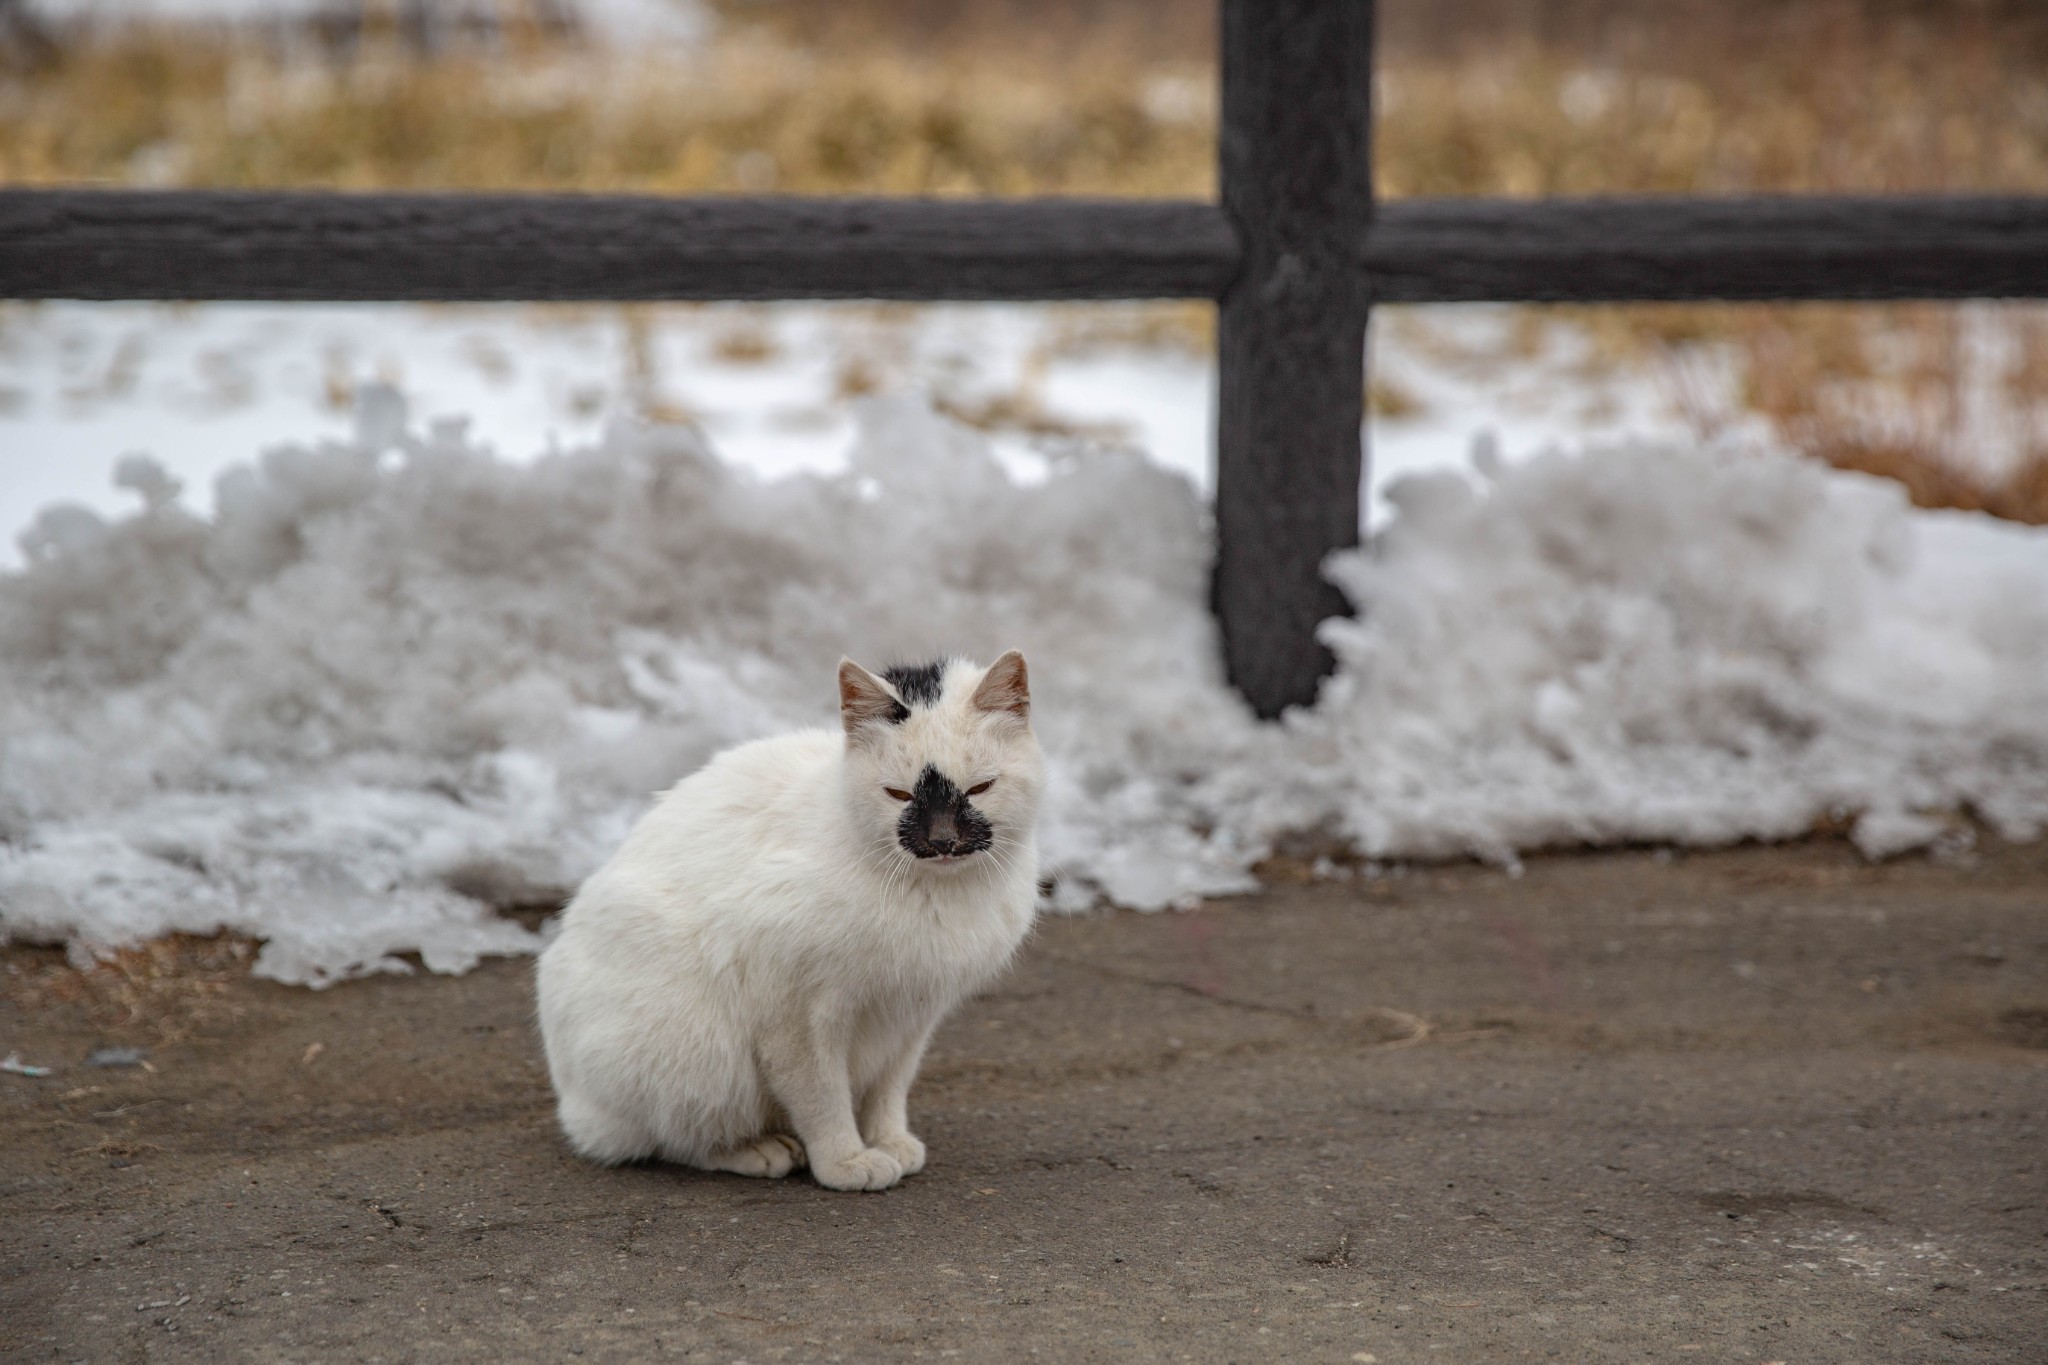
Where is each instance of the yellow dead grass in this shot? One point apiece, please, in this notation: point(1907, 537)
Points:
point(161, 992)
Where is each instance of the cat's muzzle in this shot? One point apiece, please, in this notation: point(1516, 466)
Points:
point(940, 821)
point(945, 836)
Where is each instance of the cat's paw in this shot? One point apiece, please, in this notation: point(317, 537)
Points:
point(771, 1156)
point(906, 1148)
point(868, 1169)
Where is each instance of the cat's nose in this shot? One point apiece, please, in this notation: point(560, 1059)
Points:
point(943, 832)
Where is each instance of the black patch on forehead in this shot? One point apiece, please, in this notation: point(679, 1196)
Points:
point(918, 684)
point(935, 790)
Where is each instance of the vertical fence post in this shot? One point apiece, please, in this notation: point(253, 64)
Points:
point(1294, 152)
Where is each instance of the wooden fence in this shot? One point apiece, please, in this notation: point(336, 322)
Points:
point(1294, 255)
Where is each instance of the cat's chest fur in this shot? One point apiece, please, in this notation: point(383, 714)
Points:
point(750, 869)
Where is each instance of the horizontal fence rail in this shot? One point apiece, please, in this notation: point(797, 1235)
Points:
point(206, 244)
point(302, 246)
point(1752, 248)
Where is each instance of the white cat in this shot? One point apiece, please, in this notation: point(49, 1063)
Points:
point(750, 982)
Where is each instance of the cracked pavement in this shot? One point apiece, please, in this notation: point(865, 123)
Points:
point(1760, 1105)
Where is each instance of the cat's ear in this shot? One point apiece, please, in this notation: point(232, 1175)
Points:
point(1005, 687)
point(864, 698)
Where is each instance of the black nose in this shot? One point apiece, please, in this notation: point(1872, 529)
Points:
point(939, 822)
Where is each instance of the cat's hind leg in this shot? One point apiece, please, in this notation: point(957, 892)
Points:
point(771, 1156)
point(602, 1134)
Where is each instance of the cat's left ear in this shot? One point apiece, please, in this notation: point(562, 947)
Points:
point(1005, 687)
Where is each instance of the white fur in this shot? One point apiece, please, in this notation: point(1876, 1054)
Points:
point(752, 979)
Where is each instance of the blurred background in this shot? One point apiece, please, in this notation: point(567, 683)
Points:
point(1013, 97)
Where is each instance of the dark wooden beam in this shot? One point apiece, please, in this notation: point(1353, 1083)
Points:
point(206, 244)
point(1741, 248)
point(1296, 182)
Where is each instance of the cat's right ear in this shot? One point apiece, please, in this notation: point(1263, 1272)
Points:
point(864, 699)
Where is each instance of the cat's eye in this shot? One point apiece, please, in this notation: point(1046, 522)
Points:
point(899, 795)
point(976, 791)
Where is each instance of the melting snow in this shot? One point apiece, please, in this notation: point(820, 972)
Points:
point(202, 387)
point(391, 680)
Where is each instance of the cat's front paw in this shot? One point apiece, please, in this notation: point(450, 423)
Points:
point(906, 1148)
point(871, 1168)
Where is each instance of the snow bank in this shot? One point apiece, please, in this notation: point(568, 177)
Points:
point(395, 682)
point(1680, 646)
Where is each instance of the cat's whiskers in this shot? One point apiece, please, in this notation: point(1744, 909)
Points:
point(901, 868)
point(888, 868)
point(878, 869)
point(878, 850)
point(899, 876)
point(1005, 859)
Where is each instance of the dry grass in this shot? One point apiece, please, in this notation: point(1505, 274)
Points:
point(1116, 96)
point(1001, 99)
point(1792, 98)
point(750, 115)
point(1950, 400)
point(164, 991)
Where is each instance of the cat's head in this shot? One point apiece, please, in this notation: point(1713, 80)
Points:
point(941, 763)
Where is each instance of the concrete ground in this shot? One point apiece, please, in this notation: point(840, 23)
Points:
point(1767, 1105)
